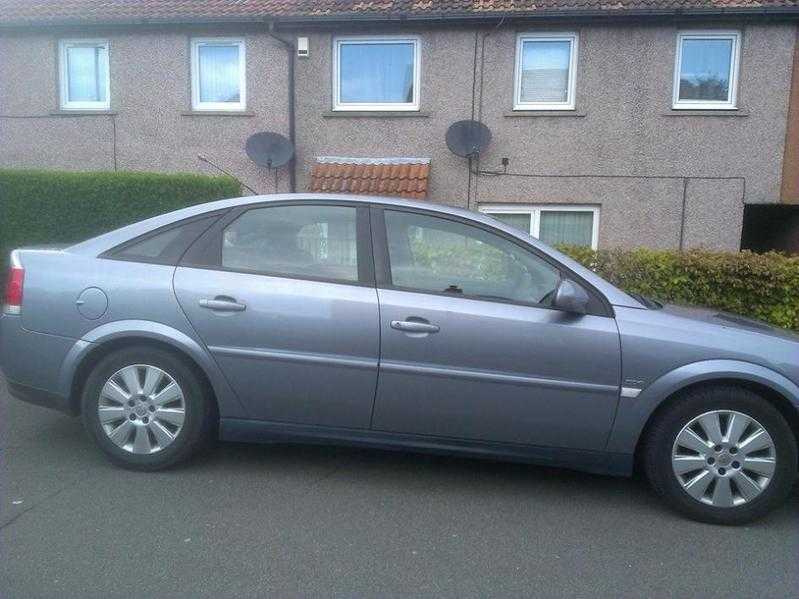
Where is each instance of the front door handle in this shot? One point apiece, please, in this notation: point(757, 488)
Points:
point(222, 303)
point(414, 326)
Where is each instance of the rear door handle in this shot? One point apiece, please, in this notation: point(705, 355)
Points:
point(222, 304)
point(413, 326)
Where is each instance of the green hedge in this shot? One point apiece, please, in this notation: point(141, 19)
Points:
point(39, 206)
point(763, 286)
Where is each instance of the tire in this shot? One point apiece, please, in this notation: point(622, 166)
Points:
point(152, 433)
point(727, 405)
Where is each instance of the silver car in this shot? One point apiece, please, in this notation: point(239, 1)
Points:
point(399, 325)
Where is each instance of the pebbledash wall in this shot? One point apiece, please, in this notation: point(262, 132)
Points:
point(661, 177)
point(150, 125)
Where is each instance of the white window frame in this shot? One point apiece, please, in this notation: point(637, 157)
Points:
point(63, 47)
point(735, 61)
point(383, 106)
point(571, 37)
point(535, 210)
point(196, 104)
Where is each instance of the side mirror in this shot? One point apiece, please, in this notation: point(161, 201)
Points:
point(571, 297)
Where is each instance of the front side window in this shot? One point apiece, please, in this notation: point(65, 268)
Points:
point(218, 74)
point(545, 71)
point(317, 242)
point(84, 75)
point(438, 255)
point(706, 70)
point(554, 225)
point(376, 74)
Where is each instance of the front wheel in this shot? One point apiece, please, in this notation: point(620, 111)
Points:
point(722, 455)
point(146, 408)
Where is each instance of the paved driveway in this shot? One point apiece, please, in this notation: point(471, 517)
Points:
point(287, 521)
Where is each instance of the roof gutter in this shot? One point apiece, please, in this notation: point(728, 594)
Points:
point(547, 14)
point(787, 12)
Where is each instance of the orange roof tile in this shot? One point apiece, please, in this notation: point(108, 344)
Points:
point(400, 177)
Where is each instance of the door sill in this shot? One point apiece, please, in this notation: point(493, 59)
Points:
point(263, 431)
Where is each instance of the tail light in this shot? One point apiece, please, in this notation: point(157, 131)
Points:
point(12, 304)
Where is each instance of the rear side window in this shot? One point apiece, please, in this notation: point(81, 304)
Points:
point(302, 241)
point(164, 247)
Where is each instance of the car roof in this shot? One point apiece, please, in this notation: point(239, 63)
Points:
point(106, 241)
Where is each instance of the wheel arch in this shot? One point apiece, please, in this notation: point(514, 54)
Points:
point(108, 338)
point(779, 401)
point(636, 415)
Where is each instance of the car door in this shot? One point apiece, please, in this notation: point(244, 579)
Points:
point(283, 297)
point(471, 348)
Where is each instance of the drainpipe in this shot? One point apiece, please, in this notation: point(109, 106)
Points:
point(290, 52)
point(479, 103)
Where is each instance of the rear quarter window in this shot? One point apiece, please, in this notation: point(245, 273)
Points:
point(165, 246)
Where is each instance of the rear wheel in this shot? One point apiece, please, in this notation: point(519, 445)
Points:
point(722, 455)
point(146, 408)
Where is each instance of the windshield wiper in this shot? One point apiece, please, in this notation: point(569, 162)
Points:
point(648, 303)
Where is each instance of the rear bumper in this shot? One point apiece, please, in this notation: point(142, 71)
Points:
point(32, 363)
point(40, 397)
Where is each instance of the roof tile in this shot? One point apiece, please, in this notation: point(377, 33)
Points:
point(21, 12)
point(386, 178)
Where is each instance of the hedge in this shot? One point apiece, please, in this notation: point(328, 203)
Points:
point(38, 206)
point(762, 286)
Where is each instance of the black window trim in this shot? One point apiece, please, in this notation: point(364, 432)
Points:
point(206, 251)
point(383, 265)
point(115, 252)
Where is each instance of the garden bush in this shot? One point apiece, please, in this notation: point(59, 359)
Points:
point(762, 286)
point(38, 206)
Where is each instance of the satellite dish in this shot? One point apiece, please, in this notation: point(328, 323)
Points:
point(468, 138)
point(269, 149)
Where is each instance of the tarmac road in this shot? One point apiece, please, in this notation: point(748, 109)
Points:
point(287, 521)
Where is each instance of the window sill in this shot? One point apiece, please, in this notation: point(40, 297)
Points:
point(375, 114)
point(83, 113)
point(706, 112)
point(542, 113)
point(217, 113)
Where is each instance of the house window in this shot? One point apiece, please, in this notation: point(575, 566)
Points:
point(371, 73)
point(218, 74)
point(84, 75)
point(706, 70)
point(546, 67)
point(571, 225)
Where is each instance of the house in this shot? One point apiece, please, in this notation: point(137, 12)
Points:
point(664, 123)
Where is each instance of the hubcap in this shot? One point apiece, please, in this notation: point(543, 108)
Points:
point(724, 458)
point(141, 409)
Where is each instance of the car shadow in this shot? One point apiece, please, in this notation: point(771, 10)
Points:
point(52, 438)
point(463, 475)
